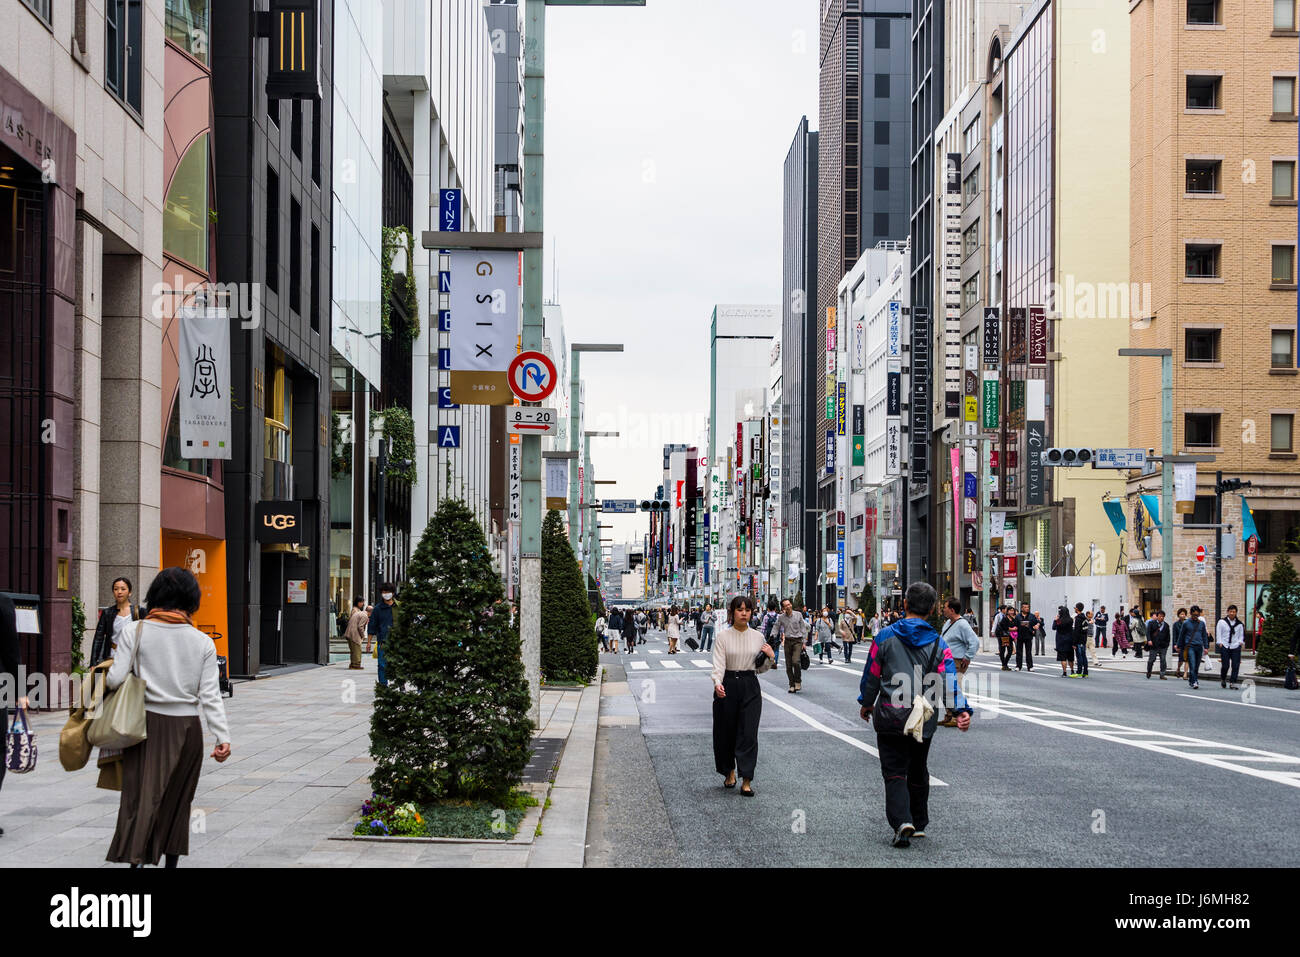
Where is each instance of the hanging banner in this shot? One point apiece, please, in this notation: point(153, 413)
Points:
point(1037, 336)
point(484, 288)
point(894, 335)
point(830, 452)
point(992, 337)
point(919, 433)
point(893, 392)
point(1035, 443)
point(516, 483)
point(955, 459)
point(841, 407)
point(1185, 488)
point(992, 400)
point(557, 482)
point(889, 555)
point(204, 393)
point(893, 446)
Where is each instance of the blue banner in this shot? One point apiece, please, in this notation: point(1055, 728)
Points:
point(1247, 521)
point(1152, 505)
point(1115, 511)
point(449, 209)
point(839, 563)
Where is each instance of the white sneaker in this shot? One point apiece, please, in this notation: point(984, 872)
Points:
point(903, 837)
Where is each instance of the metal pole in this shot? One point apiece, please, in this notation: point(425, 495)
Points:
point(1218, 547)
point(575, 361)
point(530, 526)
point(380, 471)
point(1166, 482)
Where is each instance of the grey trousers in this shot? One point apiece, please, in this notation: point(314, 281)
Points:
point(793, 648)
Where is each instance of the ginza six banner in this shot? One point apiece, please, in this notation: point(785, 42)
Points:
point(484, 290)
point(204, 365)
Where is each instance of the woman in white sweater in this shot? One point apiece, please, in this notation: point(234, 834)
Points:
point(737, 695)
point(178, 664)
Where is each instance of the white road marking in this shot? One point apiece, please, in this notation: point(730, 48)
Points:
point(655, 651)
point(839, 735)
point(1243, 704)
point(1161, 742)
point(672, 664)
point(702, 663)
point(639, 665)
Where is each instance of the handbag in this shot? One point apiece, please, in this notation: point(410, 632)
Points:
point(121, 721)
point(74, 743)
point(20, 745)
point(1290, 682)
point(803, 658)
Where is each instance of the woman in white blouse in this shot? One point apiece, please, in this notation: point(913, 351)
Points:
point(674, 630)
point(737, 696)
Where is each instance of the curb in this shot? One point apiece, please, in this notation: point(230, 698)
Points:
point(563, 841)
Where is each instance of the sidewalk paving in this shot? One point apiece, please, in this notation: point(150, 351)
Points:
point(298, 773)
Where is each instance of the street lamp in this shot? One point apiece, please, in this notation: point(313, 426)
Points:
point(575, 366)
point(587, 436)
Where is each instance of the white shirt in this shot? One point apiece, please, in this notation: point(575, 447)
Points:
point(120, 622)
point(1230, 637)
point(179, 666)
point(736, 650)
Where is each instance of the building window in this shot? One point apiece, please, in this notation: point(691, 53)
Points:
point(1281, 433)
point(970, 292)
point(272, 229)
point(882, 34)
point(970, 239)
point(1283, 358)
point(1283, 265)
point(295, 255)
point(41, 8)
point(313, 277)
point(295, 128)
point(971, 137)
point(185, 211)
point(1202, 345)
point(882, 86)
point(882, 132)
point(123, 50)
point(1284, 179)
point(1284, 96)
point(1203, 92)
point(1203, 12)
point(881, 177)
point(315, 141)
point(1284, 16)
point(1201, 429)
point(1203, 175)
point(1202, 261)
point(185, 24)
point(970, 186)
point(1276, 527)
point(880, 224)
point(1202, 512)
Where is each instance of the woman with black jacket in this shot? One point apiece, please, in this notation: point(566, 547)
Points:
point(112, 620)
point(1063, 626)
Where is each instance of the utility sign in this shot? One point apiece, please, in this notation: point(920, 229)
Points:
point(1120, 459)
point(531, 420)
point(618, 506)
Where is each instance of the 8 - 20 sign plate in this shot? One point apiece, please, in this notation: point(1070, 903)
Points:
point(531, 420)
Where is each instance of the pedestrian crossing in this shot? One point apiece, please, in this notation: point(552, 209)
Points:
point(669, 664)
point(1280, 768)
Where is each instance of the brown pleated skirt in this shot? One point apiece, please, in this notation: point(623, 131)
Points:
point(159, 778)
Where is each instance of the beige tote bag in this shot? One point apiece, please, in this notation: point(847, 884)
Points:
point(121, 722)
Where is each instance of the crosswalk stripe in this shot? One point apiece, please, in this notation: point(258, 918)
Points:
point(655, 651)
point(1161, 742)
point(702, 663)
point(639, 665)
point(671, 664)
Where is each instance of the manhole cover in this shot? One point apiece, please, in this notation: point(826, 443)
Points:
point(546, 758)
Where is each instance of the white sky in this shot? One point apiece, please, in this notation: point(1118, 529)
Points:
point(667, 128)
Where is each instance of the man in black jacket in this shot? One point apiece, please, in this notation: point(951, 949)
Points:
point(1080, 635)
point(1158, 638)
point(1025, 623)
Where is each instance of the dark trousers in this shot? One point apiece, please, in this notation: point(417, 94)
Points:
point(793, 648)
point(1151, 659)
point(4, 728)
point(1081, 659)
point(1194, 654)
point(907, 779)
point(1025, 646)
point(735, 724)
point(706, 638)
point(848, 651)
point(1004, 652)
point(1225, 656)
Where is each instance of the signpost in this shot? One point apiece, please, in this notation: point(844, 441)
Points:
point(531, 420)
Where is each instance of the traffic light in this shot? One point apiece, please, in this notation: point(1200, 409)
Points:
point(1231, 485)
point(1029, 566)
point(654, 505)
point(1066, 458)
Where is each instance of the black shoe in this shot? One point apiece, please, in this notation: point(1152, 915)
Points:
point(1223, 684)
point(903, 837)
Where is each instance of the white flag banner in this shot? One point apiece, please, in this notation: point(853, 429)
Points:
point(484, 301)
point(204, 394)
point(1185, 487)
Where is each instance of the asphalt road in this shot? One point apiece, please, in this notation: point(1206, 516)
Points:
point(1111, 771)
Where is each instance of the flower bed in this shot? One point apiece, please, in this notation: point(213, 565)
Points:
point(472, 819)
